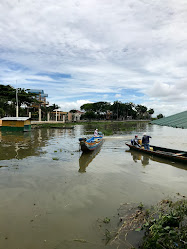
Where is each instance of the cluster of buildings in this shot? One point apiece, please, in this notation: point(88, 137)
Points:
point(54, 115)
point(24, 123)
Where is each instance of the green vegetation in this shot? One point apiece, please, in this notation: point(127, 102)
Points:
point(166, 228)
point(140, 206)
point(27, 102)
point(114, 127)
point(106, 220)
point(115, 111)
point(52, 125)
point(8, 101)
point(159, 116)
point(106, 127)
point(163, 226)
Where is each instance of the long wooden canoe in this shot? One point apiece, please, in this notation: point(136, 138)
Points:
point(90, 144)
point(174, 155)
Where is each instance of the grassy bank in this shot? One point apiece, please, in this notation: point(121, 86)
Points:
point(106, 127)
point(51, 125)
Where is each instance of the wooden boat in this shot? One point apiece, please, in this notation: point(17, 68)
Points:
point(174, 155)
point(92, 143)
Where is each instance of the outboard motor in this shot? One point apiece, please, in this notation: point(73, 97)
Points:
point(82, 139)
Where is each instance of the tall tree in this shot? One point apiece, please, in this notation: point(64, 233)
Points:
point(87, 107)
point(141, 110)
point(8, 99)
point(160, 116)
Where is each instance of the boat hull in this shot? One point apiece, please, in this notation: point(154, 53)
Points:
point(90, 144)
point(174, 155)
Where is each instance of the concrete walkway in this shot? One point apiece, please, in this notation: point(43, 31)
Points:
point(47, 122)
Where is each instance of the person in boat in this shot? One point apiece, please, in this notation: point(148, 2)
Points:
point(135, 141)
point(145, 141)
point(96, 133)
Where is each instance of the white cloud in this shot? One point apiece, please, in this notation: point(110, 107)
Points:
point(118, 96)
point(67, 106)
point(104, 45)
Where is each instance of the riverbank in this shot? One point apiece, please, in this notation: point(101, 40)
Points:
point(163, 225)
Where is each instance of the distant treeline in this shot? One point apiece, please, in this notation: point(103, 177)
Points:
point(116, 111)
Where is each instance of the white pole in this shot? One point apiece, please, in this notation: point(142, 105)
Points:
point(48, 116)
point(40, 114)
point(17, 109)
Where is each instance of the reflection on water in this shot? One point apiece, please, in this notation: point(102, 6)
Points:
point(144, 159)
point(20, 145)
point(117, 127)
point(86, 158)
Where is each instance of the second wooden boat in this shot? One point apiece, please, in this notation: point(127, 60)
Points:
point(174, 155)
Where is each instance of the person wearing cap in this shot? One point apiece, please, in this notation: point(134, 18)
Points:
point(96, 133)
point(135, 141)
point(145, 141)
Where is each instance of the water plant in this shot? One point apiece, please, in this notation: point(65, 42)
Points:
point(106, 220)
point(140, 206)
point(108, 235)
point(167, 228)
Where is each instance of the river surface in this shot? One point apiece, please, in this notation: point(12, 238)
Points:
point(52, 195)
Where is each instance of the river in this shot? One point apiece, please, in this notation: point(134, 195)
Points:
point(52, 196)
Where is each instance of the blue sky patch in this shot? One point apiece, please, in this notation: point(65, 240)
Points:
point(56, 76)
point(12, 65)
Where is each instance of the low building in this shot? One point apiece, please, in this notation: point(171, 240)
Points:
point(16, 124)
point(58, 115)
point(75, 116)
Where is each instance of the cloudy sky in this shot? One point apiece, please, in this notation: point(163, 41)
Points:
point(81, 51)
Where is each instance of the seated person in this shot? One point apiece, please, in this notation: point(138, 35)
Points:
point(135, 141)
point(96, 133)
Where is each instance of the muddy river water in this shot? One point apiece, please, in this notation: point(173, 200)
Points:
point(51, 196)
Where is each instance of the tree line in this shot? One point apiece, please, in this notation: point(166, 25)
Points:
point(116, 111)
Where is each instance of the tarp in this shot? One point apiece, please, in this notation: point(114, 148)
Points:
point(15, 118)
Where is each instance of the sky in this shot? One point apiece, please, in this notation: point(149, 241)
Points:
point(84, 51)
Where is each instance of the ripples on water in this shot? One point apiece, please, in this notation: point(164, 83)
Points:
point(52, 194)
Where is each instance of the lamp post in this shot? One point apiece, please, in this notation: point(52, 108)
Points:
point(17, 108)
